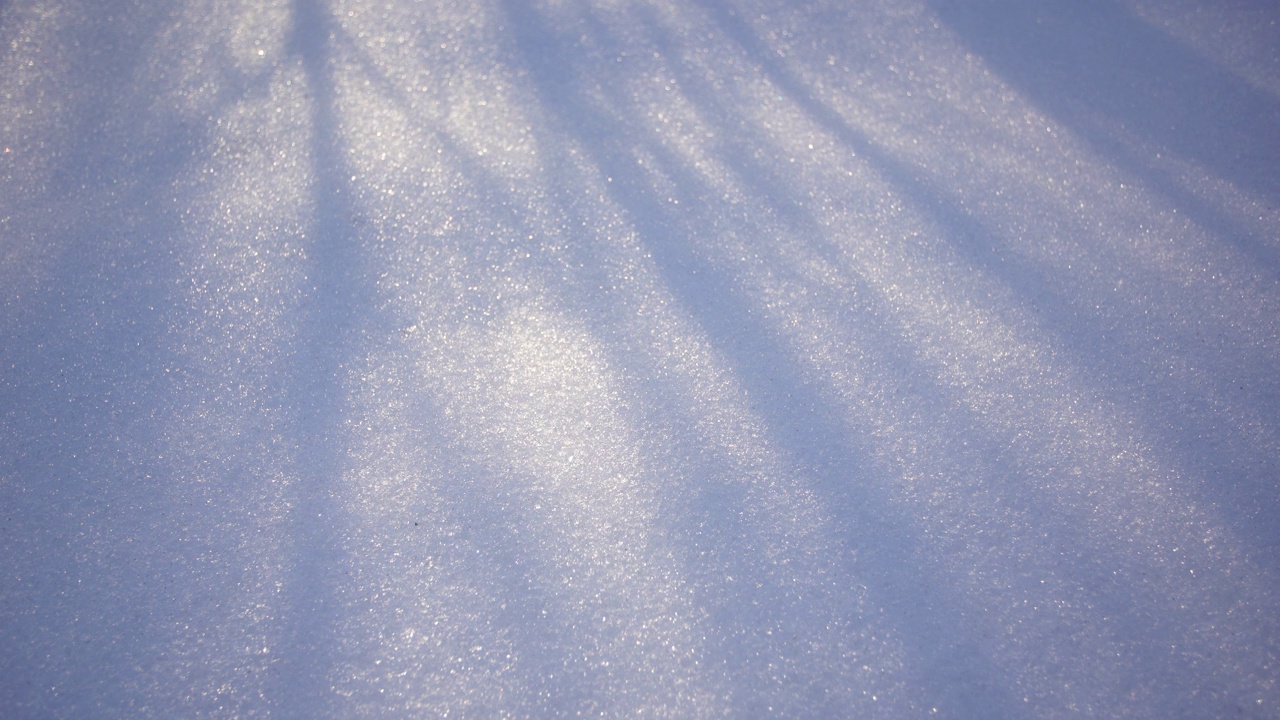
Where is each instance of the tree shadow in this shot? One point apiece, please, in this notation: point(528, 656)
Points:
point(1109, 76)
point(802, 421)
point(488, 550)
point(336, 309)
point(118, 534)
point(873, 539)
point(677, 225)
point(1118, 362)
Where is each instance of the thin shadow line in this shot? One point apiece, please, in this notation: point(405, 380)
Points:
point(328, 340)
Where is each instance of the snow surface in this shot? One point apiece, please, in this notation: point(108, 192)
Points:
point(732, 358)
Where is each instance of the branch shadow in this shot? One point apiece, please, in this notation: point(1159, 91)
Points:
point(1106, 74)
point(338, 305)
point(879, 544)
point(488, 551)
point(799, 418)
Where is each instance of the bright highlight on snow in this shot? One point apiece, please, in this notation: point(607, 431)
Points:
point(375, 358)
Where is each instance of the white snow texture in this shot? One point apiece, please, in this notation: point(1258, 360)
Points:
point(639, 358)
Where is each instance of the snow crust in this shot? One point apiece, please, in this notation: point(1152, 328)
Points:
point(556, 358)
